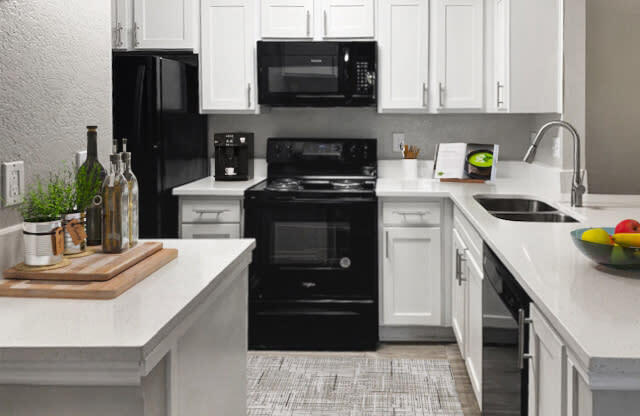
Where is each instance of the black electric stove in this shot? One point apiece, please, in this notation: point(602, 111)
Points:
point(314, 279)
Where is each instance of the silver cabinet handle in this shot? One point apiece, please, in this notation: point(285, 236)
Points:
point(325, 23)
point(209, 211)
point(249, 95)
point(418, 213)
point(499, 100)
point(425, 94)
point(118, 31)
point(460, 259)
point(458, 267)
point(135, 34)
point(386, 244)
point(522, 321)
point(440, 93)
point(308, 23)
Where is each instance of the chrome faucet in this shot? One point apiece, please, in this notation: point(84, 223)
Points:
point(577, 187)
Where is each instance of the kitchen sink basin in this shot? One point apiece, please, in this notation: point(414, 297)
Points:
point(534, 217)
point(522, 209)
point(514, 205)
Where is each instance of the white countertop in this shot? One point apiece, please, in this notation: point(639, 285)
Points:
point(596, 311)
point(210, 187)
point(136, 320)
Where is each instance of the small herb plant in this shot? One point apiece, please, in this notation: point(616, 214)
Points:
point(87, 185)
point(45, 201)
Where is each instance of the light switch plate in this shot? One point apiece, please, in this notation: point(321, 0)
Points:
point(398, 142)
point(12, 183)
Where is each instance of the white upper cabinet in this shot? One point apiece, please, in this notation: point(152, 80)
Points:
point(459, 40)
point(227, 57)
point(403, 55)
point(287, 18)
point(154, 24)
point(348, 19)
point(121, 23)
point(411, 276)
point(164, 24)
point(527, 56)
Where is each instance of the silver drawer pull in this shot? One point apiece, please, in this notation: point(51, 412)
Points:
point(522, 321)
point(418, 213)
point(210, 211)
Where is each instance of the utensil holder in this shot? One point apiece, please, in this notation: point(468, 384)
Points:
point(410, 169)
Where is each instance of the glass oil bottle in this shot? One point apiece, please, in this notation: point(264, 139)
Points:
point(132, 183)
point(115, 207)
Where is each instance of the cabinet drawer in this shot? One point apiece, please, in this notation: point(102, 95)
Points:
point(210, 211)
point(211, 231)
point(411, 213)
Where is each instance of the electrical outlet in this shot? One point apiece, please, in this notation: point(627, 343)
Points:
point(398, 142)
point(81, 156)
point(12, 183)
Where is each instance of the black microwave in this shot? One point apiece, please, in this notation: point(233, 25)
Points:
point(319, 74)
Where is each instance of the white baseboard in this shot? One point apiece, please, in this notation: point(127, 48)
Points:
point(416, 333)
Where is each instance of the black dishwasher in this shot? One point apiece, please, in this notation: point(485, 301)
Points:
point(505, 371)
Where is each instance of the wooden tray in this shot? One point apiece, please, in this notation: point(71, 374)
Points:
point(97, 268)
point(88, 290)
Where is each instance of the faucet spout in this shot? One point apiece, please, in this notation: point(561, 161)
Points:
point(577, 187)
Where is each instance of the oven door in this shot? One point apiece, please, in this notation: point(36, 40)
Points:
point(314, 249)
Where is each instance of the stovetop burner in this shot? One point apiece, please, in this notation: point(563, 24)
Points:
point(283, 184)
point(346, 184)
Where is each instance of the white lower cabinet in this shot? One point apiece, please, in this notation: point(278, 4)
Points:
point(412, 276)
point(210, 231)
point(547, 382)
point(473, 358)
point(458, 294)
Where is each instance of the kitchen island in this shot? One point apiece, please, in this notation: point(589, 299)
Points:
point(174, 344)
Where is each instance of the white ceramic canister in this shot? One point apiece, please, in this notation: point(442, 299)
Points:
point(69, 246)
point(410, 169)
point(39, 249)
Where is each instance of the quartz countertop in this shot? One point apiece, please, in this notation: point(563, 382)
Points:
point(133, 322)
point(210, 187)
point(594, 309)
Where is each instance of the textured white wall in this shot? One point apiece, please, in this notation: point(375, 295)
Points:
point(55, 78)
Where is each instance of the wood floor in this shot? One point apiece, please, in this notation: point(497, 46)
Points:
point(421, 351)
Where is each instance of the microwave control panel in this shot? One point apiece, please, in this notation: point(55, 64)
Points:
point(364, 77)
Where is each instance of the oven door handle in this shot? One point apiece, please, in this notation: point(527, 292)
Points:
point(522, 322)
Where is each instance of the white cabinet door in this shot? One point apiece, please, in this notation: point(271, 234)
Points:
point(348, 19)
point(287, 18)
point(501, 52)
point(411, 276)
point(473, 359)
point(527, 69)
point(164, 24)
point(459, 54)
point(547, 383)
point(121, 24)
point(227, 56)
point(403, 54)
point(459, 293)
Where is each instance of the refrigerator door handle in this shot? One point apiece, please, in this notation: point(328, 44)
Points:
point(139, 97)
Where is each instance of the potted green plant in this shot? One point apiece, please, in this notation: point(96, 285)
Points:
point(81, 192)
point(42, 227)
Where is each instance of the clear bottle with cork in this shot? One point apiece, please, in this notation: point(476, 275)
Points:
point(92, 166)
point(132, 183)
point(115, 211)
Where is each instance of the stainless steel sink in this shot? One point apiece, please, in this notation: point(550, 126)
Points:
point(522, 209)
point(534, 217)
point(514, 205)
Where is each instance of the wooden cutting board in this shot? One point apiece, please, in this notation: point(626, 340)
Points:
point(88, 290)
point(98, 267)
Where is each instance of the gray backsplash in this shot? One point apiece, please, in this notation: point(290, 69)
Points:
point(511, 131)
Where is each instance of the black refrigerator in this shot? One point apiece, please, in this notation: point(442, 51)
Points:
point(155, 106)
